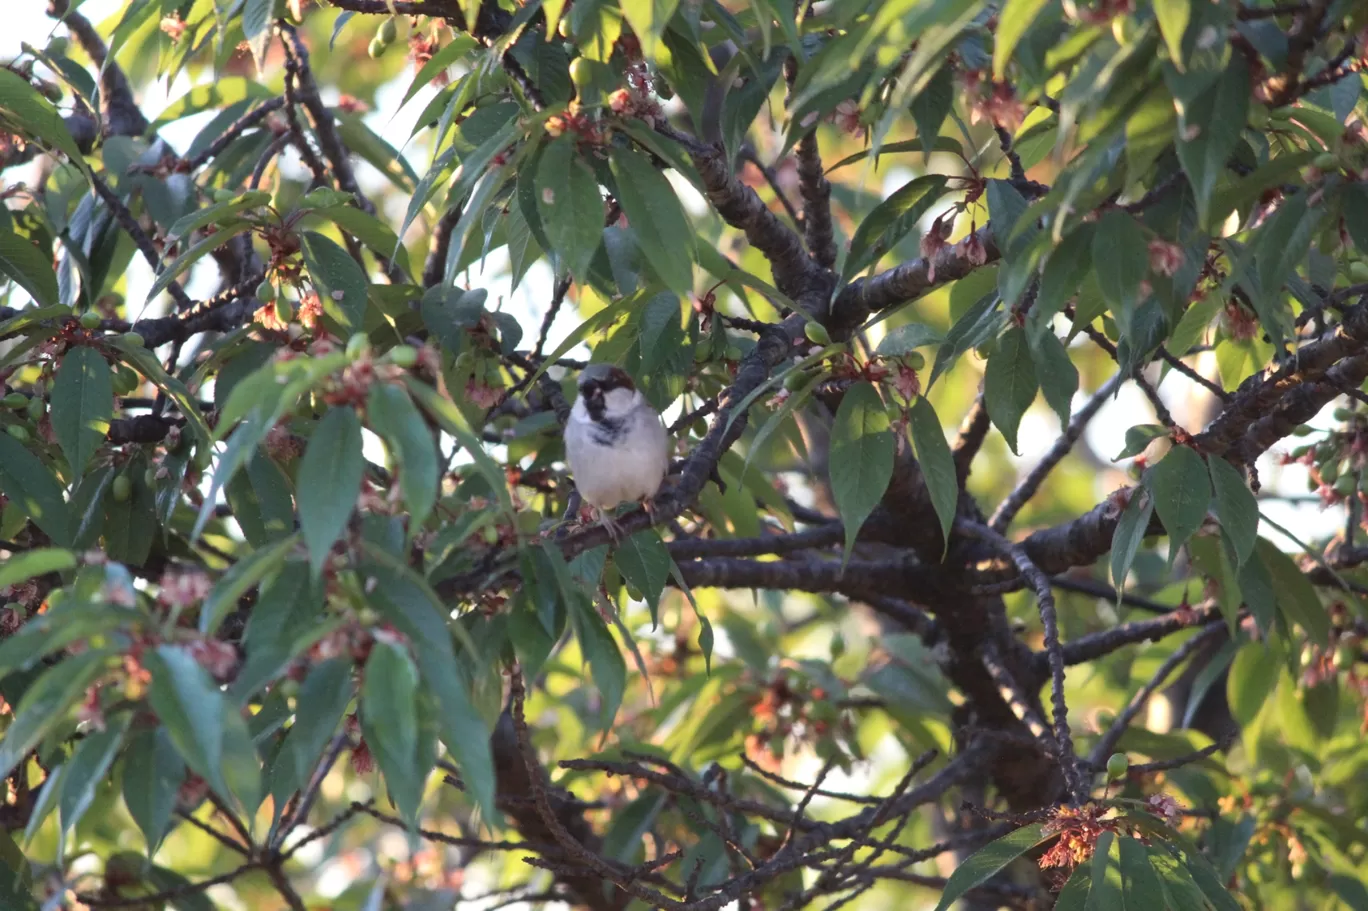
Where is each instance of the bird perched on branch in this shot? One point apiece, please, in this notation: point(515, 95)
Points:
point(615, 443)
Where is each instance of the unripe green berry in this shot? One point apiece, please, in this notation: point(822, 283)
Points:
point(377, 48)
point(15, 400)
point(90, 320)
point(125, 380)
point(1343, 414)
point(357, 344)
point(816, 333)
point(150, 476)
point(1117, 765)
point(794, 380)
point(403, 356)
point(915, 359)
point(284, 310)
point(121, 489)
point(1301, 430)
point(265, 292)
point(388, 31)
point(134, 339)
point(1345, 656)
point(1326, 161)
point(1346, 485)
point(35, 409)
point(1358, 272)
point(529, 520)
point(19, 433)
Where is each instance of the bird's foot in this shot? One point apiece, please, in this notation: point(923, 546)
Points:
point(649, 505)
point(610, 525)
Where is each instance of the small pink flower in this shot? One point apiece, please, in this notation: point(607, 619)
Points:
point(1164, 257)
point(908, 383)
point(1165, 807)
point(184, 588)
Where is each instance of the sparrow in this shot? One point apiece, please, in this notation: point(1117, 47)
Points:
point(615, 443)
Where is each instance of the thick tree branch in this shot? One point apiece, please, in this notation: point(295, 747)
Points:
point(907, 282)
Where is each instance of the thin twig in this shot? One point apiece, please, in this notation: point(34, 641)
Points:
point(1040, 583)
point(1108, 742)
point(1024, 491)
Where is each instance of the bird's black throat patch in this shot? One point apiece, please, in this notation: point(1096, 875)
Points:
point(606, 431)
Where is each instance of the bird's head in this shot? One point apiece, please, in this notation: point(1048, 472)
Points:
point(606, 390)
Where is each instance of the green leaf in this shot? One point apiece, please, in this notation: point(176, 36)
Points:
point(1253, 675)
point(601, 650)
point(331, 472)
point(1235, 507)
point(1057, 373)
point(152, 776)
point(1209, 128)
point(217, 213)
point(89, 764)
point(215, 95)
point(861, 461)
point(340, 281)
point(1016, 18)
point(370, 230)
point(130, 526)
point(1121, 252)
point(322, 700)
point(1297, 598)
point(1138, 439)
point(987, 861)
point(1143, 890)
point(644, 562)
point(1074, 895)
point(191, 708)
point(415, 609)
point(656, 217)
point(393, 415)
point(974, 327)
point(27, 112)
point(28, 267)
point(21, 567)
point(82, 405)
point(1181, 489)
point(891, 221)
point(1173, 16)
point(31, 486)
point(937, 463)
point(1180, 891)
point(1105, 894)
point(569, 204)
point(930, 108)
point(661, 334)
point(908, 338)
point(648, 19)
point(389, 721)
point(226, 232)
point(797, 399)
point(246, 573)
point(46, 703)
point(1009, 383)
point(1212, 888)
point(450, 419)
point(1129, 533)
